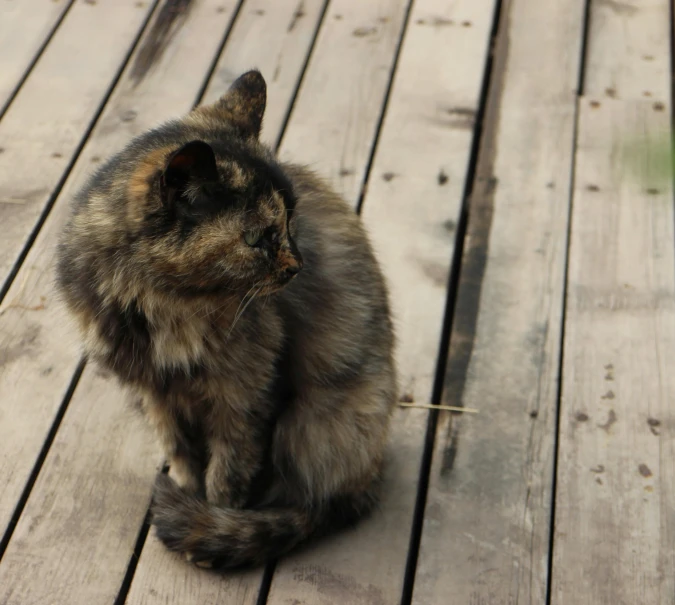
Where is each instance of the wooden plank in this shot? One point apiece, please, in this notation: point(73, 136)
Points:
point(615, 522)
point(411, 211)
point(638, 67)
point(79, 527)
point(39, 351)
point(26, 27)
point(48, 118)
point(288, 28)
point(160, 576)
point(41, 355)
point(485, 537)
point(340, 100)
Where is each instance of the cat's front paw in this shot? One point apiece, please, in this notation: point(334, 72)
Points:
point(185, 475)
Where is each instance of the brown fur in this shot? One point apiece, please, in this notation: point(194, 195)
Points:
point(265, 365)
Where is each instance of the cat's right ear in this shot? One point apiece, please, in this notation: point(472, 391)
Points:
point(245, 103)
point(191, 166)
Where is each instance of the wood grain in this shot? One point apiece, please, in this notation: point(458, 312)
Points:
point(40, 355)
point(335, 116)
point(628, 50)
point(77, 532)
point(411, 211)
point(485, 536)
point(615, 522)
point(288, 28)
point(26, 27)
point(38, 346)
point(50, 115)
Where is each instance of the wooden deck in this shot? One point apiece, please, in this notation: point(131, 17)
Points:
point(507, 157)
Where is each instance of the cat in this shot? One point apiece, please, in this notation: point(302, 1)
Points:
point(239, 298)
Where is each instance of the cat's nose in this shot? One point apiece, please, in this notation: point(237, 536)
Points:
point(292, 270)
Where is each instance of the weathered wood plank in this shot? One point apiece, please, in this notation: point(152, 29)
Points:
point(25, 27)
point(40, 356)
point(638, 67)
point(486, 530)
point(78, 529)
point(49, 117)
point(615, 522)
point(162, 577)
point(411, 211)
point(340, 100)
point(38, 353)
point(288, 28)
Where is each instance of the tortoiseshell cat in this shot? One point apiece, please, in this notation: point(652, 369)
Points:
point(240, 298)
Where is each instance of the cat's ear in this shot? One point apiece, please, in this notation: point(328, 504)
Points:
point(194, 164)
point(245, 103)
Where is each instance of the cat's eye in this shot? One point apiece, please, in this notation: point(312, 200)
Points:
point(252, 237)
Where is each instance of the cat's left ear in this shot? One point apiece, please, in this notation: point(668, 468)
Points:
point(194, 164)
point(245, 103)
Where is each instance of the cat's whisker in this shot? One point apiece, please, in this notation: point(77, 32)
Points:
point(245, 303)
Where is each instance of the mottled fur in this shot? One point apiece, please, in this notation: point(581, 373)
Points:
point(270, 387)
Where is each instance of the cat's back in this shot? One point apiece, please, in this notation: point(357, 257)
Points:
point(338, 305)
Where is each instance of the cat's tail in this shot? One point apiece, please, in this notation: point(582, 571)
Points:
point(228, 538)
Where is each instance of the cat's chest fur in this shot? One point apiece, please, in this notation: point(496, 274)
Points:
point(198, 355)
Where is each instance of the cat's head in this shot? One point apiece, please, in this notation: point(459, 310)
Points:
point(211, 212)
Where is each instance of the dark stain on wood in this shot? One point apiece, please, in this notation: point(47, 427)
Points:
point(595, 104)
point(645, 471)
point(407, 398)
point(338, 588)
point(26, 345)
point(297, 15)
point(442, 177)
point(169, 20)
point(437, 22)
point(388, 176)
point(581, 417)
point(476, 244)
point(658, 106)
point(362, 32)
point(598, 469)
point(610, 92)
point(593, 188)
point(611, 419)
point(128, 116)
point(450, 440)
point(437, 272)
point(450, 225)
point(608, 395)
point(462, 111)
point(654, 425)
